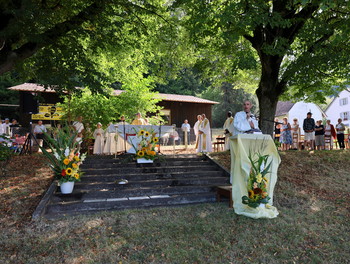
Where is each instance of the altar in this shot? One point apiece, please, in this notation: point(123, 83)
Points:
point(129, 133)
point(242, 146)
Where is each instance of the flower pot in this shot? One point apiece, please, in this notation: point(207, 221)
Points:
point(67, 187)
point(143, 160)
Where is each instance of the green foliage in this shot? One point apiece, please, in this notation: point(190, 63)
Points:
point(5, 152)
point(8, 97)
point(64, 158)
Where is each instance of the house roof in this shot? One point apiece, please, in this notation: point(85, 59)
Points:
point(335, 97)
point(177, 98)
point(33, 87)
point(283, 108)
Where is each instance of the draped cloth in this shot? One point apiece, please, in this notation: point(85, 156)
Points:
point(241, 145)
point(110, 145)
point(99, 141)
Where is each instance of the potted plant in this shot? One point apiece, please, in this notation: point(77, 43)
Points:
point(145, 149)
point(64, 158)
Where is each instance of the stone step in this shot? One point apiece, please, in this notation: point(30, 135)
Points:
point(79, 186)
point(130, 192)
point(167, 169)
point(116, 164)
point(149, 176)
point(72, 208)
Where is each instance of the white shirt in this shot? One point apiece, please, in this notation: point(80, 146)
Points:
point(78, 126)
point(340, 126)
point(2, 129)
point(39, 129)
point(241, 123)
point(186, 127)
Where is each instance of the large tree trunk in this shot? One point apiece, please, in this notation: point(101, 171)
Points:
point(269, 91)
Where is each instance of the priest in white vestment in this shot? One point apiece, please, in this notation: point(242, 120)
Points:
point(196, 127)
point(110, 145)
point(99, 139)
point(139, 120)
point(245, 121)
point(122, 144)
point(228, 129)
point(204, 142)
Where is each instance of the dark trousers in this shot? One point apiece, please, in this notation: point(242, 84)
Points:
point(340, 138)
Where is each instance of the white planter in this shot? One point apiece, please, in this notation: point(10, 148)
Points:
point(143, 160)
point(67, 187)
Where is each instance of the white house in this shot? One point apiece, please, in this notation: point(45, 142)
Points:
point(298, 110)
point(340, 108)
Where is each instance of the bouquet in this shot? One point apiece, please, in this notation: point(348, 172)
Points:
point(147, 144)
point(65, 158)
point(257, 181)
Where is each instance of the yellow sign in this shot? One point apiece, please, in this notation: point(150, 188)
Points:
point(48, 112)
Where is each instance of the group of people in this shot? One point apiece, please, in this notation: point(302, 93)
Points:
point(315, 133)
point(8, 128)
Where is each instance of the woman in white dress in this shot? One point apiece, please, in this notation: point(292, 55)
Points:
point(295, 133)
point(110, 145)
point(99, 139)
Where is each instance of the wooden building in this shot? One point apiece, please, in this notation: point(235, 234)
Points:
point(176, 107)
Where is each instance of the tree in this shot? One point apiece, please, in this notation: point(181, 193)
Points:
point(301, 46)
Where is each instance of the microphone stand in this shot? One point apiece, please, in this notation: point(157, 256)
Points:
point(160, 134)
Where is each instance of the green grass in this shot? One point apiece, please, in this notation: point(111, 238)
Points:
point(312, 197)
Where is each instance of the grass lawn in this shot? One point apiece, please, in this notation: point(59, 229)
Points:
point(312, 196)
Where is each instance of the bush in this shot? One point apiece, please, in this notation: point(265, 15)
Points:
point(5, 152)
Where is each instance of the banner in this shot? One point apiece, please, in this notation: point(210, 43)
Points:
point(48, 112)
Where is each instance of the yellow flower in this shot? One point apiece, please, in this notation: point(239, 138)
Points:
point(155, 140)
point(76, 175)
point(141, 132)
point(76, 158)
point(146, 134)
point(144, 149)
point(153, 153)
point(140, 153)
point(259, 178)
point(69, 171)
point(149, 152)
point(74, 165)
point(66, 161)
point(251, 194)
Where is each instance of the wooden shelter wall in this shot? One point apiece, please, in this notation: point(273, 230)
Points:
point(181, 111)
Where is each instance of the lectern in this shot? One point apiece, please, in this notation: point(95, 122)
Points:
point(241, 146)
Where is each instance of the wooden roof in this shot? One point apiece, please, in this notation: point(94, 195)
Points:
point(283, 108)
point(33, 87)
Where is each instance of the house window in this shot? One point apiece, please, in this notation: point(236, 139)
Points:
point(343, 101)
point(344, 116)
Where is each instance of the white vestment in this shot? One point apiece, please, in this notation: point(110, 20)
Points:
point(195, 129)
point(78, 126)
point(241, 123)
point(99, 141)
point(204, 139)
point(122, 145)
point(229, 126)
point(111, 143)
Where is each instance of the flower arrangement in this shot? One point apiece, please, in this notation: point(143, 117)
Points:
point(146, 147)
point(257, 181)
point(65, 158)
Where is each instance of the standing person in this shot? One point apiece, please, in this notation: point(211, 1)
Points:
point(99, 139)
point(245, 121)
point(110, 145)
point(277, 131)
point(340, 133)
point(6, 127)
point(286, 135)
point(204, 133)
point(228, 129)
point(196, 127)
point(78, 125)
point(185, 127)
point(295, 133)
point(2, 130)
point(139, 120)
point(309, 131)
point(14, 127)
point(39, 131)
point(330, 132)
point(319, 135)
point(122, 144)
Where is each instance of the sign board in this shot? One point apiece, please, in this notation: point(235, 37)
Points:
point(48, 112)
